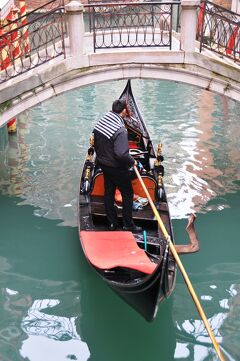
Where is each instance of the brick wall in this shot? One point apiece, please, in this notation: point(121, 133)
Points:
point(34, 4)
point(224, 3)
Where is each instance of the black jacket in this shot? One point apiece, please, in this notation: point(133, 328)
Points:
point(113, 152)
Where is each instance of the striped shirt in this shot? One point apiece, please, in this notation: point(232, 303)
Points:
point(109, 124)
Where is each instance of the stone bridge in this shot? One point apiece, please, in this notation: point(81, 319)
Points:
point(81, 65)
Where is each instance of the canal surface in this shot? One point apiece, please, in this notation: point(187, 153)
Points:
point(53, 307)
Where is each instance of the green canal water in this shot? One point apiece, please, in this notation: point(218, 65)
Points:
point(53, 307)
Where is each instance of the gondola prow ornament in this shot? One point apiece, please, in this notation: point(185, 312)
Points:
point(88, 168)
point(159, 171)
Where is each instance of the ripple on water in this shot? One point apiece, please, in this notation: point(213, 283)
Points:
point(220, 302)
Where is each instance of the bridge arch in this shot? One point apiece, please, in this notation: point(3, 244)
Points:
point(70, 79)
point(76, 64)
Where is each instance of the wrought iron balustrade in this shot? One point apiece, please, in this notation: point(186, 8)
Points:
point(32, 40)
point(219, 30)
point(128, 24)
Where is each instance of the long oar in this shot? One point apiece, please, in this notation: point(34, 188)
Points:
point(180, 266)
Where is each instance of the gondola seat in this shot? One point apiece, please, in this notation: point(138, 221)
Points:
point(107, 250)
point(133, 144)
point(98, 185)
point(150, 183)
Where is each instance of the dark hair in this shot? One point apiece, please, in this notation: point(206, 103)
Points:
point(118, 106)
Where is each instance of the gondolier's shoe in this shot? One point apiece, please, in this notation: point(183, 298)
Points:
point(132, 228)
point(113, 227)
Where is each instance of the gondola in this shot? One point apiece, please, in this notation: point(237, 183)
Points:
point(139, 267)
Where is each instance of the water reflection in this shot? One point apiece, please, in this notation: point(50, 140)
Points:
point(37, 322)
point(29, 324)
point(222, 307)
point(46, 333)
point(198, 132)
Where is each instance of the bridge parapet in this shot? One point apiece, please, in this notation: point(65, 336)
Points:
point(79, 62)
point(75, 22)
point(117, 25)
point(218, 30)
point(132, 24)
point(46, 30)
point(189, 21)
point(112, 25)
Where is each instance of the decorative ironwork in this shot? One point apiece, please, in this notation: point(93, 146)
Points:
point(219, 30)
point(127, 24)
point(45, 28)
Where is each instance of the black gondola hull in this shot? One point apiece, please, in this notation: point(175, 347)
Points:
point(143, 292)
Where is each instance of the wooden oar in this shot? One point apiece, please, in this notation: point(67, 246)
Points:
point(180, 266)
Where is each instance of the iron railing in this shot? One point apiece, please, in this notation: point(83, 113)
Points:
point(113, 25)
point(32, 40)
point(219, 30)
point(129, 25)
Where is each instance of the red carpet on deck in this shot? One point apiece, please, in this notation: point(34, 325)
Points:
point(107, 250)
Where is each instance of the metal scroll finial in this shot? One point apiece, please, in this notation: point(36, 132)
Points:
point(88, 168)
point(159, 169)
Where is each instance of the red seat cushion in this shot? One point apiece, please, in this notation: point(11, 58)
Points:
point(107, 250)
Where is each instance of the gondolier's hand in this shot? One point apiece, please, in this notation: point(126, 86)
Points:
point(133, 164)
point(139, 166)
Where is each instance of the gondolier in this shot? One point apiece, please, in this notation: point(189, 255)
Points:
point(112, 151)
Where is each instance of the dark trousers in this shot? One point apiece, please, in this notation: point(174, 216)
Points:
point(118, 178)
